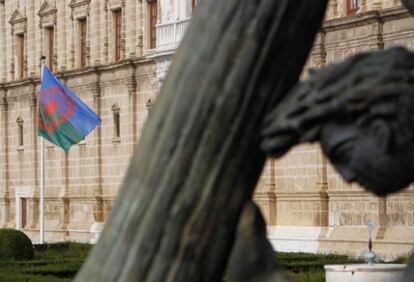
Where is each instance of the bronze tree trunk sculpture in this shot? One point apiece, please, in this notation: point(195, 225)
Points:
point(199, 157)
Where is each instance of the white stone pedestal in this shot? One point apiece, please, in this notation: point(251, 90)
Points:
point(364, 272)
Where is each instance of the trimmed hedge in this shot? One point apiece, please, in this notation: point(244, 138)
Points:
point(14, 244)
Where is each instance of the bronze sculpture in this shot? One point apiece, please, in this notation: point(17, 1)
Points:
point(362, 120)
point(200, 155)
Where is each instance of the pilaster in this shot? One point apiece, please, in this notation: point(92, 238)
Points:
point(318, 51)
point(376, 40)
point(382, 217)
point(133, 104)
point(98, 191)
point(5, 189)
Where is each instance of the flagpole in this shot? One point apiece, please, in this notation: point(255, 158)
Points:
point(42, 173)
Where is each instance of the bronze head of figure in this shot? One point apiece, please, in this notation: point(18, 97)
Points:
point(362, 113)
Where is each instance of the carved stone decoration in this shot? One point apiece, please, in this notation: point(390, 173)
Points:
point(115, 4)
point(19, 22)
point(80, 8)
point(47, 14)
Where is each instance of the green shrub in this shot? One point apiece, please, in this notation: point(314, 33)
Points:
point(14, 244)
point(402, 259)
point(62, 250)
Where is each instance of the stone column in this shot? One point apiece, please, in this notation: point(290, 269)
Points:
point(130, 17)
point(32, 7)
point(95, 32)
point(272, 194)
point(324, 198)
point(3, 55)
point(33, 204)
point(62, 34)
point(64, 197)
point(382, 217)
point(97, 197)
point(318, 51)
point(5, 193)
point(264, 196)
point(105, 37)
point(133, 105)
point(375, 39)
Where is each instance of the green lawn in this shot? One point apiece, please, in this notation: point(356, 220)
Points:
point(61, 261)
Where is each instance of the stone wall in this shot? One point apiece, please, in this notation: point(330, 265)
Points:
point(81, 186)
point(306, 204)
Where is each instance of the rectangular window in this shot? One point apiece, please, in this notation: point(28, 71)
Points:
point(50, 33)
point(23, 203)
point(117, 33)
point(82, 42)
point(153, 24)
point(21, 143)
point(352, 7)
point(117, 125)
point(116, 110)
point(20, 55)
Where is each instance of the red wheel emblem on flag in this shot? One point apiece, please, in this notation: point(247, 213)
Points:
point(55, 107)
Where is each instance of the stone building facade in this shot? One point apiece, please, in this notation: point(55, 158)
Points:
point(114, 54)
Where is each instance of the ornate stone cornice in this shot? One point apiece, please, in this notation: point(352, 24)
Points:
point(17, 17)
point(363, 18)
point(301, 196)
point(80, 8)
point(46, 9)
point(352, 21)
point(79, 72)
point(77, 3)
point(114, 4)
point(47, 14)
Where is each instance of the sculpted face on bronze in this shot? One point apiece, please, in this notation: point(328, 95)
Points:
point(361, 157)
point(363, 121)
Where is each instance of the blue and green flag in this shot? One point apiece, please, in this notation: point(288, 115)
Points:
point(63, 118)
